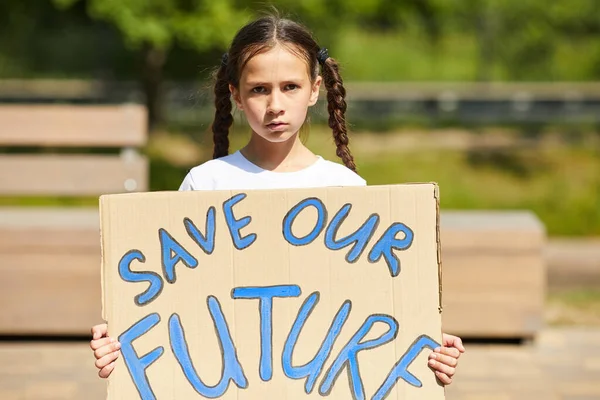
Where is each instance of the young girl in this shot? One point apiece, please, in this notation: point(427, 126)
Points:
point(272, 74)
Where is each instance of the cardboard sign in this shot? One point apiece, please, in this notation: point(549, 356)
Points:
point(273, 294)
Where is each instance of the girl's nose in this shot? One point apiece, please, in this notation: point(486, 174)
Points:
point(275, 105)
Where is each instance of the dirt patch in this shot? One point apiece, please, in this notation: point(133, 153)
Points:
point(573, 308)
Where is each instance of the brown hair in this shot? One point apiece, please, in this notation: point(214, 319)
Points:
point(263, 34)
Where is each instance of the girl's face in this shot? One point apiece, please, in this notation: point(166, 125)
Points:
point(275, 92)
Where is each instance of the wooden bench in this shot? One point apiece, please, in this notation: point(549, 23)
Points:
point(494, 275)
point(493, 269)
point(50, 257)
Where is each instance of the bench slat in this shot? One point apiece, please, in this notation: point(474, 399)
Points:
point(27, 219)
point(72, 175)
point(491, 231)
point(50, 260)
point(73, 125)
point(49, 293)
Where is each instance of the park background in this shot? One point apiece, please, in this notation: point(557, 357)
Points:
point(496, 100)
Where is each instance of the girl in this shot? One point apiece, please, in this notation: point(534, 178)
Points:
point(272, 74)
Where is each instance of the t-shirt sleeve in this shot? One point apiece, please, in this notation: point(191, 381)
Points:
point(339, 175)
point(356, 181)
point(187, 184)
point(350, 178)
point(199, 178)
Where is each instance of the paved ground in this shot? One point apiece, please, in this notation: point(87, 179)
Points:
point(562, 364)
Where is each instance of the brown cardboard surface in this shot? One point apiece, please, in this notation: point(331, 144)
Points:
point(208, 333)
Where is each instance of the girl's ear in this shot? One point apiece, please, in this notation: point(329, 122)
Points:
point(314, 92)
point(235, 94)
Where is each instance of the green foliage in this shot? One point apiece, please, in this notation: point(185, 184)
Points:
point(200, 24)
point(386, 40)
point(413, 58)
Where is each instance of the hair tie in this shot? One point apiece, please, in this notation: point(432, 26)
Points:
point(322, 55)
point(224, 59)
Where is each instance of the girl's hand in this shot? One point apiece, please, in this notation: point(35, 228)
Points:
point(443, 360)
point(106, 350)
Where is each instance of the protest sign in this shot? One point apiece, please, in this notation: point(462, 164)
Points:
point(273, 294)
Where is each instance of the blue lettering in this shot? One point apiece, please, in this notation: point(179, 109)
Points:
point(385, 245)
point(206, 243)
point(348, 355)
point(171, 253)
point(232, 369)
point(235, 225)
point(156, 282)
point(135, 365)
point(312, 369)
point(265, 296)
point(293, 213)
point(360, 238)
point(400, 370)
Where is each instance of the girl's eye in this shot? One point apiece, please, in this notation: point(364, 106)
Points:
point(291, 86)
point(259, 89)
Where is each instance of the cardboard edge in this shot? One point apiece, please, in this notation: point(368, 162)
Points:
point(101, 205)
point(436, 196)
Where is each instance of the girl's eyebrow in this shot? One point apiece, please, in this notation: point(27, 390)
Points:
point(295, 80)
point(261, 83)
point(257, 83)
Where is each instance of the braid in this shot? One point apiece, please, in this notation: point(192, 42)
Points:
point(223, 118)
point(336, 105)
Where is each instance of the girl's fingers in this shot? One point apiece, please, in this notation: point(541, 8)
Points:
point(453, 341)
point(450, 360)
point(441, 367)
point(106, 371)
point(449, 351)
point(109, 348)
point(97, 343)
point(99, 331)
point(107, 359)
point(445, 379)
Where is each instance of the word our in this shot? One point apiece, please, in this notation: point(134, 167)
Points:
point(232, 369)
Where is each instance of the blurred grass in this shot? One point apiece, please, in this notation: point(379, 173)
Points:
point(402, 57)
point(46, 201)
point(573, 307)
point(562, 187)
point(560, 182)
point(405, 56)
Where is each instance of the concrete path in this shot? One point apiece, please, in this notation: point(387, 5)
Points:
point(562, 364)
point(573, 263)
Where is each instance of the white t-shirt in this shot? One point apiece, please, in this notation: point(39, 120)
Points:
point(235, 172)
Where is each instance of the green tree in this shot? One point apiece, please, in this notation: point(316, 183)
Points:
point(154, 26)
point(516, 35)
point(580, 20)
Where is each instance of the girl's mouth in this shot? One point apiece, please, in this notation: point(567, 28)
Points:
point(276, 126)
